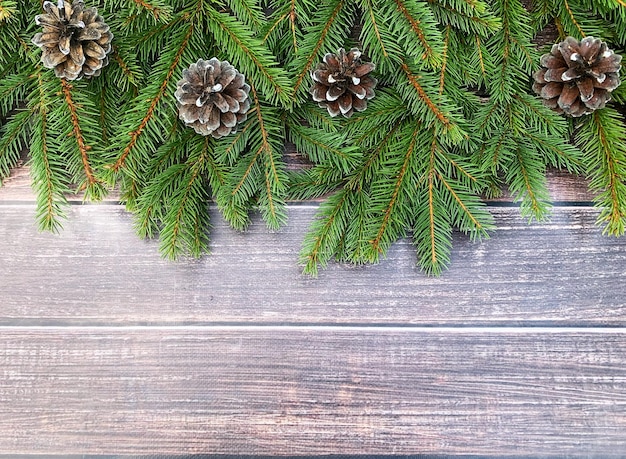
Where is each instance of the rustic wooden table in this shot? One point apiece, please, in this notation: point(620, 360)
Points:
point(105, 348)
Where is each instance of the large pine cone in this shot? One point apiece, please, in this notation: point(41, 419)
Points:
point(341, 83)
point(577, 78)
point(75, 41)
point(212, 97)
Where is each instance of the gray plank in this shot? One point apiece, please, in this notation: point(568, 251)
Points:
point(561, 273)
point(307, 390)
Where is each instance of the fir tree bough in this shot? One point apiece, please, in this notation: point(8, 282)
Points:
point(453, 119)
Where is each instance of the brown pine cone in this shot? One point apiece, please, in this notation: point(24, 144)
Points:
point(212, 97)
point(75, 40)
point(577, 77)
point(342, 83)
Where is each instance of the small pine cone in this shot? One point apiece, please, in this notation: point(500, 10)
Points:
point(75, 40)
point(577, 78)
point(212, 97)
point(342, 83)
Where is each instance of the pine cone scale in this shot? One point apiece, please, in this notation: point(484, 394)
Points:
point(585, 88)
point(77, 55)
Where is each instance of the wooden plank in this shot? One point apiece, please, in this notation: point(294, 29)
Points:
point(563, 186)
point(97, 271)
point(290, 390)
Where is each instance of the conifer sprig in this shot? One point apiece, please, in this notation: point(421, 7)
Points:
point(602, 137)
point(452, 118)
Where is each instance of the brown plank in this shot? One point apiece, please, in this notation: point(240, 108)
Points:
point(563, 187)
point(97, 271)
point(289, 391)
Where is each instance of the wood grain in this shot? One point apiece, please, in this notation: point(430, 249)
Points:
point(97, 271)
point(563, 187)
point(290, 391)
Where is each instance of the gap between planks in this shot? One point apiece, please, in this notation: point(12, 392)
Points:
point(316, 327)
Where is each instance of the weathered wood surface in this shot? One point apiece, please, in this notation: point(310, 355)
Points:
point(563, 187)
point(306, 390)
point(97, 271)
point(105, 348)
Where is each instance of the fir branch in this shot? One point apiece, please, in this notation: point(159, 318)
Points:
point(444, 60)
point(13, 138)
point(324, 36)
point(427, 36)
point(325, 234)
point(471, 17)
point(8, 10)
point(153, 102)
point(324, 147)
point(248, 11)
point(259, 174)
point(49, 178)
point(185, 221)
point(251, 57)
point(45, 178)
point(83, 148)
point(159, 10)
point(386, 234)
point(573, 19)
point(527, 182)
point(602, 137)
point(433, 108)
point(229, 150)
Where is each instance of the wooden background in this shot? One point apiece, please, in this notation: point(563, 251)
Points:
point(518, 350)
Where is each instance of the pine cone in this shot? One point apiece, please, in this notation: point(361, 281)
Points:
point(577, 78)
point(341, 83)
point(212, 97)
point(75, 41)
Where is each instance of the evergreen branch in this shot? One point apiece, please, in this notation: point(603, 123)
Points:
point(429, 110)
point(325, 233)
point(45, 182)
point(251, 56)
point(175, 223)
point(603, 140)
point(8, 9)
point(321, 32)
point(273, 27)
point(124, 66)
point(415, 25)
point(472, 18)
point(481, 59)
point(260, 173)
point(399, 180)
point(156, 11)
point(444, 60)
point(248, 11)
point(47, 172)
point(434, 261)
point(424, 97)
point(153, 103)
point(457, 198)
point(273, 181)
point(83, 148)
point(230, 151)
point(526, 176)
point(573, 18)
point(324, 147)
point(377, 28)
point(12, 140)
point(292, 23)
point(211, 167)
